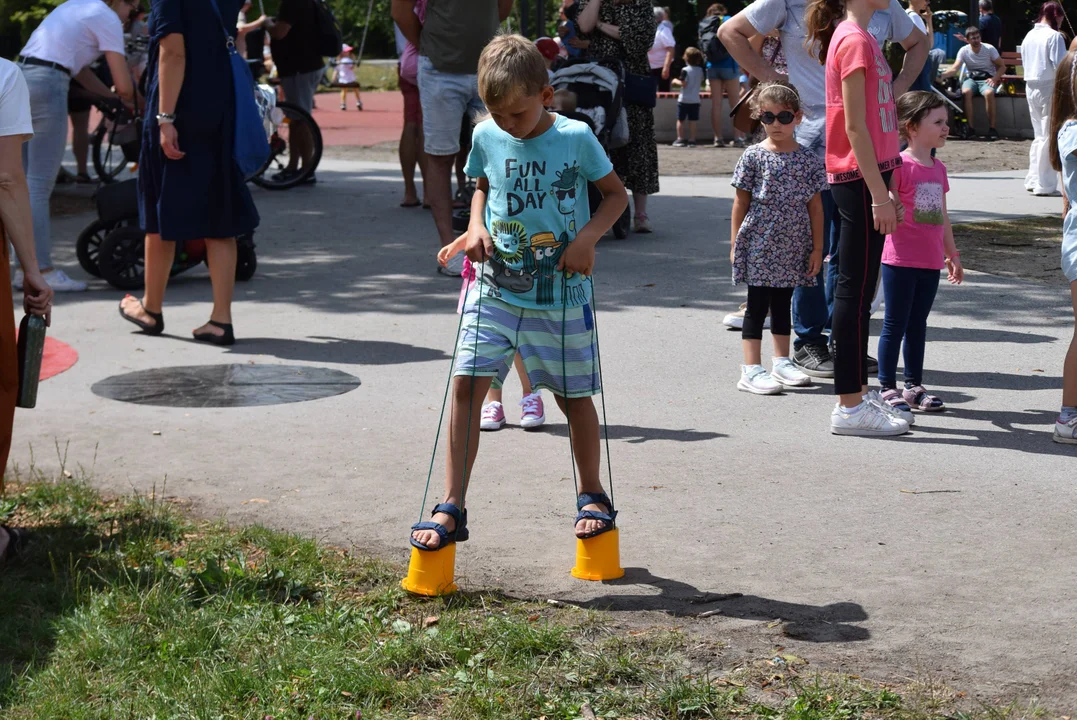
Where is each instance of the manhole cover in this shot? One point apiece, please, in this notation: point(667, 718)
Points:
point(214, 386)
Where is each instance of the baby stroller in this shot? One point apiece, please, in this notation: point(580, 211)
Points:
point(950, 91)
point(113, 246)
point(599, 89)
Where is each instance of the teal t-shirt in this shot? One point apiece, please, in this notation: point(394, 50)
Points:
point(537, 202)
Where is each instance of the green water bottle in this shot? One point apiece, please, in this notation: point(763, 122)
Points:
point(31, 350)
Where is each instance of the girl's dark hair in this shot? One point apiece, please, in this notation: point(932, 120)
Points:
point(1051, 13)
point(781, 94)
point(1063, 104)
point(913, 107)
point(694, 56)
point(820, 18)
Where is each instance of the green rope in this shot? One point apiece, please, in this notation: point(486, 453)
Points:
point(602, 384)
point(564, 379)
point(445, 400)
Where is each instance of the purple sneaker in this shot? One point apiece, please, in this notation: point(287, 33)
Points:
point(534, 415)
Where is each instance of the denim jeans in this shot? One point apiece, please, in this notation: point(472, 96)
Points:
point(927, 76)
point(44, 154)
point(910, 293)
point(813, 306)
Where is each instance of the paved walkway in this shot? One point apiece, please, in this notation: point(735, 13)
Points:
point(946, 552)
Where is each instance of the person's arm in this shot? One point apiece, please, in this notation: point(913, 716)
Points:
point(668, 64)
point(121, 77)
point(579, 256)
point(504, 9)
point(452, 250)
point(1000, 70)
point(917, 45)
point(403, 12)
point(741, 203)
point(736, 35)
point(587, 19)
point(853, 90)
point(815, 213)
point(171, 64)
point(959, 61)
point(89, 80)
point(16, 220)
point(244, 28)
point(955, 272)
point(480, 246)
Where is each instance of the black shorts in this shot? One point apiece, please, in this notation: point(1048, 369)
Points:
point(688, 111)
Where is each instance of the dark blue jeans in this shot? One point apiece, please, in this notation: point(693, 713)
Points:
point(813, 306)
point(909, 293)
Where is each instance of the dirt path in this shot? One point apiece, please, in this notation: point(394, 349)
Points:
point(960, 157)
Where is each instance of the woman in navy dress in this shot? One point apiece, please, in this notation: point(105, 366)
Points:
point(189, 187)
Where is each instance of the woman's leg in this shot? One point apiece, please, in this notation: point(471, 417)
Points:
point(781, 320)
point(43, 154)
point(860, 248)
point(899, 286)
point(755, 313)
point(925, 287)
point(409, 157)
point(80, 140)
point(715, 86)
point(639, 204)
point(1069, 369)
point(159, 257)
point(221, 258)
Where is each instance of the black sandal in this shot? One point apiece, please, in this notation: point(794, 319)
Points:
point(16, 542)
point(228, 338)
point(148, 329)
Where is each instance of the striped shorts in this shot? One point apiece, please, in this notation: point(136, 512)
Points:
point(558, 346)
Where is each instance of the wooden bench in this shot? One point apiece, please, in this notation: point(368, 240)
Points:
point(1013, 61)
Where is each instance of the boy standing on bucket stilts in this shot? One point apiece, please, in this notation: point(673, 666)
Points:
point(533, 241)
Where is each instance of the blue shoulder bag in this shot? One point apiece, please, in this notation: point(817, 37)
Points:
point(250, 148)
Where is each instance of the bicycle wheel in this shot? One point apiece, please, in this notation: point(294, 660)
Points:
point(109, 160)
point(296, 125)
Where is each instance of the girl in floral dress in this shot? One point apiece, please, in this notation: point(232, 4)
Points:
point(777, 233)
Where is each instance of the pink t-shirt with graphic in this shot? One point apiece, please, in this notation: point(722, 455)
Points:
point(918, 241)
point(852, 49)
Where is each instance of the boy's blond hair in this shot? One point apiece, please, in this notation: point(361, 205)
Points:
point(510, 68)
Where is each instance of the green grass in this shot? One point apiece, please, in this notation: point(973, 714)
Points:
point(129, 608)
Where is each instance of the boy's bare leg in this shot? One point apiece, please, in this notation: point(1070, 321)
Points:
point(583, 424)
point(461, 433)
point(525, 382)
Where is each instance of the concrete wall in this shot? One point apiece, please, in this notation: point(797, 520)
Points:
point(1012, 119)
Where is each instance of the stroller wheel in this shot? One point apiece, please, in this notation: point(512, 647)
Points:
point(88, 245)
point(121, 258)
point(246, 260)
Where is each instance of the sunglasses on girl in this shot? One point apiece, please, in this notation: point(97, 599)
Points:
point(784, 117)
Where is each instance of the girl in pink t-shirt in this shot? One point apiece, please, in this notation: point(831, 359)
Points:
point(915, 252)
point(861, 153)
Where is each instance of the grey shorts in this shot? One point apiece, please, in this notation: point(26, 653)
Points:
point(445, 99)
point(299, 89)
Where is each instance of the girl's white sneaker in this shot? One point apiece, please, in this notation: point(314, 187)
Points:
point(787, 374)
point(756, 380)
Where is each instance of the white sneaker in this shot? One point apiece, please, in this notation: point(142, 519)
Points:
point(60, 282)
point(876, 398)
point(785, 372)
point(16, 283)
point(867, 421)
point(493, 416)
point(756, 380)
point(1066, 433)
point(455, 266)
point(736, 319)
point(534, 413)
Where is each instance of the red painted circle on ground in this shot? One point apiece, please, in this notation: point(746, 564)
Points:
point(57, 357)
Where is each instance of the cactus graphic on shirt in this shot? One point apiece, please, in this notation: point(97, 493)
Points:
point(547, 251)
point(927, 204)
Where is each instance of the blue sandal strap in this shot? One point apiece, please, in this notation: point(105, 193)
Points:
point(460, 534)
point(595, 515)
point(440, 529)
point(593, 499)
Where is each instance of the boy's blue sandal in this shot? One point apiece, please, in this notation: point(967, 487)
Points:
point(595, 499)
point(460, 534)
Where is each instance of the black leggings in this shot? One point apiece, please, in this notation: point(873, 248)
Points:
point(760, 300)
point(860, 250)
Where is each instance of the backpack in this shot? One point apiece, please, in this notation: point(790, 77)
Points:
point(709, 43)
point(327, 30)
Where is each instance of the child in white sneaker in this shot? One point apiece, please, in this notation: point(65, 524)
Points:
point(533, 414)
point(777, 233)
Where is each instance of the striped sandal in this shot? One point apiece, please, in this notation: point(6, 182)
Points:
point(918, 397)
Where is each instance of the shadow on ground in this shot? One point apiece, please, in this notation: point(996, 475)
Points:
point(810, 623)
